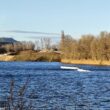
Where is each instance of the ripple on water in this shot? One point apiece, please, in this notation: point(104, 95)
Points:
point(56, 89)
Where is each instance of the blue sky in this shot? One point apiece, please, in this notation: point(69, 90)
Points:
point(75, 17)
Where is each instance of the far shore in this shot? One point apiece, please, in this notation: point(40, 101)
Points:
point(6, 58)
point(49, 57)
point(86, 62)
point(31, 55)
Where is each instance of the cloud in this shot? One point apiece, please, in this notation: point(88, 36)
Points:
point(39, 37)
point(30, 32)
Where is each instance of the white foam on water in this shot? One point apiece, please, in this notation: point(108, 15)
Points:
point(82, 70)
point(74, 68)
point(68, 67)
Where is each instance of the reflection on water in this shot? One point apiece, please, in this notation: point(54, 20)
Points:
point(58, 89)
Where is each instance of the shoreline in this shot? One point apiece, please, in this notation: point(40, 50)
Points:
point(32, 56)
point(6, 58)
point(12, 58)
point(86, 62)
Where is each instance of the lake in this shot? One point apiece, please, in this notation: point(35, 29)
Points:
point(59, 89)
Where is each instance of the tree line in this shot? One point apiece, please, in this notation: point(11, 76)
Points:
point(87, 47)
point(45, 43)
point(17, 46)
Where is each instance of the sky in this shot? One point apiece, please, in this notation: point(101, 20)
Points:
point(22, 19)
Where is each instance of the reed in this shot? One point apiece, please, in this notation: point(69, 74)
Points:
point(86, 62)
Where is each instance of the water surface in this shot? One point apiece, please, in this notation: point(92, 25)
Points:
point(58, 89)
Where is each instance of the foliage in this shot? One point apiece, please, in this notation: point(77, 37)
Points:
point(87, 47)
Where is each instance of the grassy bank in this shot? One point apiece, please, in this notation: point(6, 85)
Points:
point(33, 56)
point(49, 57)
point(84, 62)
point(6, 58)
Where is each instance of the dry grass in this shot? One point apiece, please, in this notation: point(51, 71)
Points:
point(6, 58)
point(32, 56)
point(37, 56)
point(89, 62)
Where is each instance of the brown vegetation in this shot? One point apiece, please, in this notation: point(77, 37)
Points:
point(86, 62)
point(18, 46)
point(6, 58)
point(29, 51)
point(37, 56)
point(87, 49)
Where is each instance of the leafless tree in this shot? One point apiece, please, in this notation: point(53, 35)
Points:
point(87, 47)
point(17, 99)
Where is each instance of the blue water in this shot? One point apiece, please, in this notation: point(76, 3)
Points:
point(59, 89)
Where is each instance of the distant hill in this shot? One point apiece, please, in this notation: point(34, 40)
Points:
point(6, 40)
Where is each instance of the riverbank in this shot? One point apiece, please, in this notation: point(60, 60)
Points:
point(85, 62)
point(49, 57)
point(6, 58)
point(32, 56)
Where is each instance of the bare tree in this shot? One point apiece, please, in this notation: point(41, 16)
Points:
point(16, 99)
point(47, 42)
point(87, 47)
point(37, 45)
